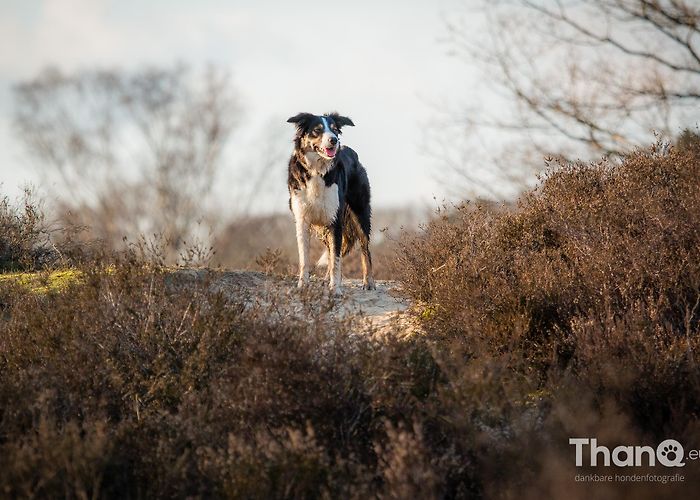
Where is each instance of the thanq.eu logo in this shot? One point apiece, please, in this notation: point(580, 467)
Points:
point(668, 453)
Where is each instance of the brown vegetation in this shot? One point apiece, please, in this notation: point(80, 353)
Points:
point(573, 314)
point(583, 301)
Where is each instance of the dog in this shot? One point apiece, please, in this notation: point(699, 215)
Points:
point(329, 193)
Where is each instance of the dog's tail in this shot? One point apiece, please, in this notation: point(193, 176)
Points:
point(352, 232)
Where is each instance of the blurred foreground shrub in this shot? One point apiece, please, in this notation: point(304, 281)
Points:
point(574, 314)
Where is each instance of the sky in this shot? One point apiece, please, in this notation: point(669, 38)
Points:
point(384, 63)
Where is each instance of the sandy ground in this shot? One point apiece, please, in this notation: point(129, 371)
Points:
point(381, 312)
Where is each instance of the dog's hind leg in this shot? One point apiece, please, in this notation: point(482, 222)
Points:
point(362, 222)
point(334, 258)
point(366, 257)
point(323, 262)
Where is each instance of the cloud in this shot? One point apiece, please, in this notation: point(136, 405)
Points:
point(73, 32)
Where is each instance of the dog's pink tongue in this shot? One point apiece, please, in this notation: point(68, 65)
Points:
point(330, 152)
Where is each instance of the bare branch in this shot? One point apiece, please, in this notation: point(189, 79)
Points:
point(137, 151)
point(595, 77)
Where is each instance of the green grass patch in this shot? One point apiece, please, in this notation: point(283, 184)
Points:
point(44, 281)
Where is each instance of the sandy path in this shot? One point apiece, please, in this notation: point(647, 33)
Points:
point(381, 311)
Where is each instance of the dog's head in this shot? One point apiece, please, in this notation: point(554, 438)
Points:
point(319, 134)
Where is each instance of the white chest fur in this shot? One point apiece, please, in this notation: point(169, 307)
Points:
point(316, 203)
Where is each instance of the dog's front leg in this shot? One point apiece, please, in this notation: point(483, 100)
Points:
point(334, 260)
point(303, 236)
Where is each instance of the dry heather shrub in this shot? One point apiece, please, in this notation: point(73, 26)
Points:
point(25, 239)
point(590, 243)
point(133, 384)
point(574, 314)
point(410, 468)
point(29, 242)
point(274, 262)
point(586, 295)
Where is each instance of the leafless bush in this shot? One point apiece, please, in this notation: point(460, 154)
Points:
point(29, 242)
point(132, 152)
point(576, 80)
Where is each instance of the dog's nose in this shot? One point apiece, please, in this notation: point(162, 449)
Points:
point(334, 141)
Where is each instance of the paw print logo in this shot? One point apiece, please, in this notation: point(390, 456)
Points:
point(670, 453)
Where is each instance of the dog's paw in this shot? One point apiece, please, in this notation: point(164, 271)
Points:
point(335, 290)
point(302, 283)
point(369, 285)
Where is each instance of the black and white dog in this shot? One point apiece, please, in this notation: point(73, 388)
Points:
point(329, 192)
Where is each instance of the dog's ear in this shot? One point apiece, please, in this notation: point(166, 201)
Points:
point(300, 119)
point(341, 121)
